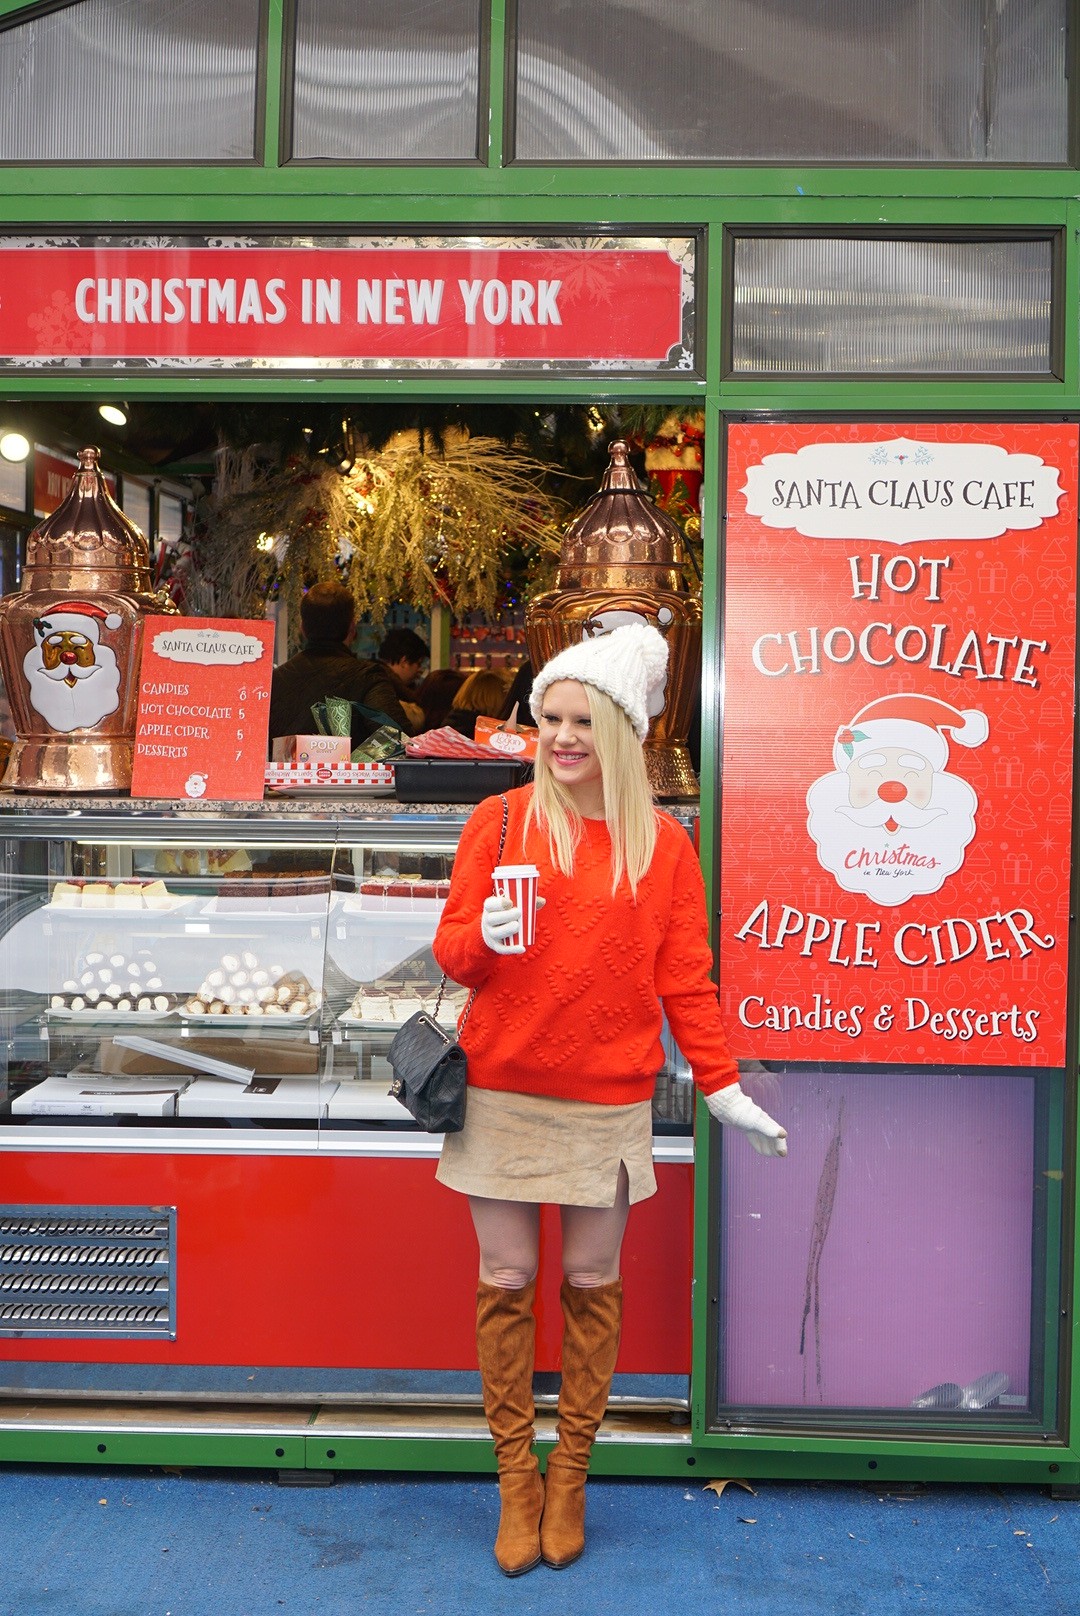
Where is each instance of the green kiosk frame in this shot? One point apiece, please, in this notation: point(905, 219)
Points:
point(717, 204)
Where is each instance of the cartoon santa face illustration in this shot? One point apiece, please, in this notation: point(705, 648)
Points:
point(74, 680)
point(891, 821)
point(195, 785)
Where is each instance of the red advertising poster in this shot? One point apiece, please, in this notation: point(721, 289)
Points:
point(900, 642)
point(52, 479)
point(212, 303)
point(204, 708)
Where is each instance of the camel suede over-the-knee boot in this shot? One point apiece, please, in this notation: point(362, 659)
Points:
point(592, 1320)
point(505, 1340)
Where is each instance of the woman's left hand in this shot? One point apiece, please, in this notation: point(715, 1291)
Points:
point(731, 1106)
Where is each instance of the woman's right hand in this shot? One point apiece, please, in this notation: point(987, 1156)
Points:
point(498, 922)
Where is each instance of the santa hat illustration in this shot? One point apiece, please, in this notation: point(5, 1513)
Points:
point(917, 722)
point(76, 617)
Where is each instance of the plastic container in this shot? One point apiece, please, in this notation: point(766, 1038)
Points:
point(456, 779)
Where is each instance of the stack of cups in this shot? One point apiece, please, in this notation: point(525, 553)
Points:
point(518, 882)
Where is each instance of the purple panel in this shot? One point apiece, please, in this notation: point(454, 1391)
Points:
point(920, 1273)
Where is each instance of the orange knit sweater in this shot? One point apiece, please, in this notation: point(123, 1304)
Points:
point(578, 1015)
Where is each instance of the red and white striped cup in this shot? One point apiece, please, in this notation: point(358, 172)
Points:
point(519, 882)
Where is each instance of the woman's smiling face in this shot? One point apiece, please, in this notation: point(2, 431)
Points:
point(566, 738)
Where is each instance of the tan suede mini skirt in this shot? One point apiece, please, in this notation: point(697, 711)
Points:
point(526, 1147)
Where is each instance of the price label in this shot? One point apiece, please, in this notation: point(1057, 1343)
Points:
point(204, 708)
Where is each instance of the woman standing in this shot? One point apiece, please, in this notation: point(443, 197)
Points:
point(564, 1046)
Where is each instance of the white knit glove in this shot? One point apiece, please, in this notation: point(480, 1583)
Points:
point(499, 920)
point(738, 1110)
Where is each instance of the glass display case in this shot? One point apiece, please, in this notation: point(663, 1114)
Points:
point(210, 1196)
point(177, 968)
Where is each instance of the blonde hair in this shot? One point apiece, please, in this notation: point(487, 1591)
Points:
point(628, 802)
point(482, 692)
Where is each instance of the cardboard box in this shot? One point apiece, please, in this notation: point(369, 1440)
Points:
point(518, 742)
point(312, 749)
point(300, 1097)
point(365, 1100)
point(269, 1057)
point(82, 1094)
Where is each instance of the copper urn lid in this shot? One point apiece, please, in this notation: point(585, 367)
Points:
point(88, 544)
point(620, 562)
point(621, 529)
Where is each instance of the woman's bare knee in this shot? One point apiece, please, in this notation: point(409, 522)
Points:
point(584, 1279)
point(507, 1277)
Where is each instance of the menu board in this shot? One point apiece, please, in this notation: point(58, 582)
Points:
point(896, 810)
point(204, 708)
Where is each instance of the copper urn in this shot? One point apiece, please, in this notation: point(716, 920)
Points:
point(621, 561)
point(70, 643)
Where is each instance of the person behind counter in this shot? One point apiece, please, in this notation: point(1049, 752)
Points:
point(435, 695)
point(482, 692)
point(326, 667)
point(403, 655)
point(563, 1045)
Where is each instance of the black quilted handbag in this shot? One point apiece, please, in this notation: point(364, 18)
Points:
point(430, 1074)
point(430, 1067)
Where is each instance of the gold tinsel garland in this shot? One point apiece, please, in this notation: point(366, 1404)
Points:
point(405, 524)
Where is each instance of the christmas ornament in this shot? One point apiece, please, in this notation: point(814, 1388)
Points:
point(673, 460)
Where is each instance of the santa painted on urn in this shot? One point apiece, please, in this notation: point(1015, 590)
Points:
point(70, 642)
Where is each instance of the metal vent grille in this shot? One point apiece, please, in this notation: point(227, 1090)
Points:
point(87, 1271)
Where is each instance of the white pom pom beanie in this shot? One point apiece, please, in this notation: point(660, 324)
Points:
point(629, 665)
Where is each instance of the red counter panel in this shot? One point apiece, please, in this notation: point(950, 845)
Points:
point(344, 1262)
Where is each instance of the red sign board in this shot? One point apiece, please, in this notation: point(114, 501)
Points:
point(534, 303)
point(900, 643)
point(53, 475)
point(204, 708)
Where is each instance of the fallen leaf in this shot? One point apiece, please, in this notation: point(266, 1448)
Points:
point(748, 1520)
point(717, 1487)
